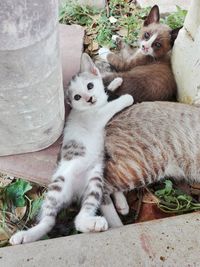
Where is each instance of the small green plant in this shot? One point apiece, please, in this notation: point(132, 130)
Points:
point(20, 203)
point(16, 192)
point(18, 207)
point(173, 200)
point(104, 31)
point(127, 20)
point(176, 19)
point(71, 13)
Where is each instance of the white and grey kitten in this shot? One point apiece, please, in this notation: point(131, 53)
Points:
point(79, 175)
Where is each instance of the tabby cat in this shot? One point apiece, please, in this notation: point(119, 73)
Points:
point(147, 74)
point(79, 175)
point(145, 143)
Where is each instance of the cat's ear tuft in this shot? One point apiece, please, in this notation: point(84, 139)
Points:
point(174, 34)
point(153, 17)
point(87, 65)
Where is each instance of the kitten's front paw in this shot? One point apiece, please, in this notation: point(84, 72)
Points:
point(87, 224)
point(21, 237)
point(118, 41)
point(117, 82)
point(128, 99)
point(103, 52)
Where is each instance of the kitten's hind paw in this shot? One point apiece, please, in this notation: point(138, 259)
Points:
point(87, 224)
point(21, 237)
point(103, 52)
point(122, 208)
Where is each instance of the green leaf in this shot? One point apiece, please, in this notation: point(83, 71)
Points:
point(165, 191)
point(35, 207)
point(176, 19)
point(16, 191)
point(19, 201)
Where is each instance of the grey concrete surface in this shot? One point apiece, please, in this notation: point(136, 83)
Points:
point(39, 166)
point(165, 6)
point(31, 91)
point(167, 242)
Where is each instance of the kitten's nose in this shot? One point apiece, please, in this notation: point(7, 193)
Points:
point(90, 100)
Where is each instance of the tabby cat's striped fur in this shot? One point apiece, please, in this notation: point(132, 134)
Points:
point(150, 141)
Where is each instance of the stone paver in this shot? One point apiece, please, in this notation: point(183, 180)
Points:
point(165, 6)
point(168, 243)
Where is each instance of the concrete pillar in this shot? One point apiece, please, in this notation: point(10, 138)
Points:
point(186, 57)
point(31, 93)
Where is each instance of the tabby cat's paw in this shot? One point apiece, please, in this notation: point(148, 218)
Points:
point(122, 208)
point(91, 224)
point(21, 237)
point(103, 52)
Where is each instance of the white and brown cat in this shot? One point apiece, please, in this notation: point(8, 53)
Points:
point(147, 73)
point(79, 175)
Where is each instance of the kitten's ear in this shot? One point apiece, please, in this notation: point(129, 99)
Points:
point(153, 17)
point(174, 34)
point(87, 65)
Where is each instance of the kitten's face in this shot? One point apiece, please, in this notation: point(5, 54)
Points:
point(86, 90)
point(156, 39)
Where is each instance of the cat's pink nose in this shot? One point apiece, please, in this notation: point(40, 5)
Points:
point(90, 99)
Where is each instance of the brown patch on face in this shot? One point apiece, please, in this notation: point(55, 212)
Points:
point(73, 149)
point(162, 44)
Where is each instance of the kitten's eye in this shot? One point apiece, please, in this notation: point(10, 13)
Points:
point(77, 97)
point(90, 86)
point(157, 44)
point(146, 35)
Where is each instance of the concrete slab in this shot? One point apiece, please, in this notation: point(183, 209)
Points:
point(39, 166)
point(167, 242)
point(165, 6)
